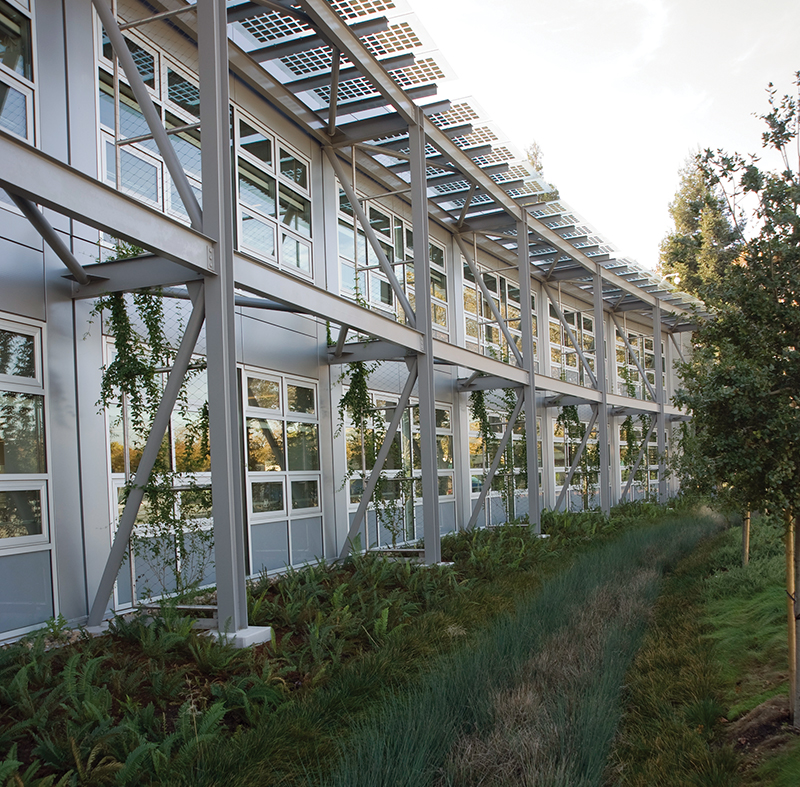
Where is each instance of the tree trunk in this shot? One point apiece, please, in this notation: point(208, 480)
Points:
point(789, 537)
point(746, 538)
point(795, 702)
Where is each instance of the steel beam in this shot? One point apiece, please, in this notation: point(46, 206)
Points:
point(135, 273)
point(578, 454)
point(150, 113)
point(487, 482)
point(368, 351)
point(225, 433)
point(149, 454)
point(572, 337)
point(380, 459)
point(486, 383)
point(642, 452)
point(490, 300)
point(635, 358)
point(369, 232)
point(677, 346)
point(50, 237)
point(48, 182)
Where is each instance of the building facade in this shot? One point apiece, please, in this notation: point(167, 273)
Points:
point(285, 182)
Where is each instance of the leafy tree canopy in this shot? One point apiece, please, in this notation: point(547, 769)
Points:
point(742, 384)
point(705, 240)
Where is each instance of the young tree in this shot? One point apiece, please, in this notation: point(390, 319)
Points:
point(705, 240)
point(742, 384)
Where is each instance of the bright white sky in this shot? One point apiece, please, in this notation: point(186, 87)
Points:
point(618, 93)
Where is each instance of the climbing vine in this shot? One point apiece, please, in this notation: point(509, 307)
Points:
point(629, 433)
point(175, 547)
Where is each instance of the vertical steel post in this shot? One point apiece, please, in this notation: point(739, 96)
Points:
point(425, 373)
point(223, 399)
point(661, 435)
point(529, 390)
point(601, 365)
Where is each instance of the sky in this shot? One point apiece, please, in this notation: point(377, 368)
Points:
point(619, 93)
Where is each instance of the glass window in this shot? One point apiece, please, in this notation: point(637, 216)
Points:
point(295, 254)
point(265, 445)
point(20, 513)
point(255, 143)
point(438, 285)
point(138, 176)
point(15, 42)
point(267, 496)
point(295, 211)
point(17, 354)
point(183, 93)
point(445, 485)
point(144, 60)
point(303, 446)
point(436, 256)
point(186, 144)
point(300, 398)
point(13, 111)
point(258, 235)
point(263, 393)
point(294, 169)
point(305, 494)
point(256, 189)
point(380, 222)
point(21, 433)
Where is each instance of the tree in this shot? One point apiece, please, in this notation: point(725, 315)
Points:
point(705, 240)
point(742, 384)
point(536, 160)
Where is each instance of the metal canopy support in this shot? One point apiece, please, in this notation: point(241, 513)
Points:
point(380, 460)
point(601, 364)
point(578, 454)
point(336, 61)
point(661, 434)
point(149, 455)
point(529, 390)
point(50, 237)
point(487, 482)
point(150, 113)
point(635, 357)
point(386, 268)
point(223, 400)
point(570, 333)
point(638, 461)
point(490, 300)
point(427, 404)
point(677, 346)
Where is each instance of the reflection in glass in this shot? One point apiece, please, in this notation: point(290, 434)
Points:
point(20, 513)
point(305, 494)
point(21, 433)
point(15, 42)
point(302, 446)
point(258, 235)
point(145, 62)
point(265, 445)
point(295, 211)
point(138, 176)
point(295, 254)
point(256, 190)
point(17, 354)
point(267, 496)
point(183, 93)
point(294, 169)
point(255, 143)
point(263, 393)
point(444, 451)
point(445, 485)
point(300, 398)
point(13, 111)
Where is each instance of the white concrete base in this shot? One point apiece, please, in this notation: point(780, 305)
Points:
point(244, 638)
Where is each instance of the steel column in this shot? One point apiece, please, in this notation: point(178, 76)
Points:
point(150, 113)
point(529, 390)
point(149, 454)
point(602, 386)
point(487, 482)
point(489, 299)
point(427, 404)
point(380, 460)
point(223, 399)
point(661, 436)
